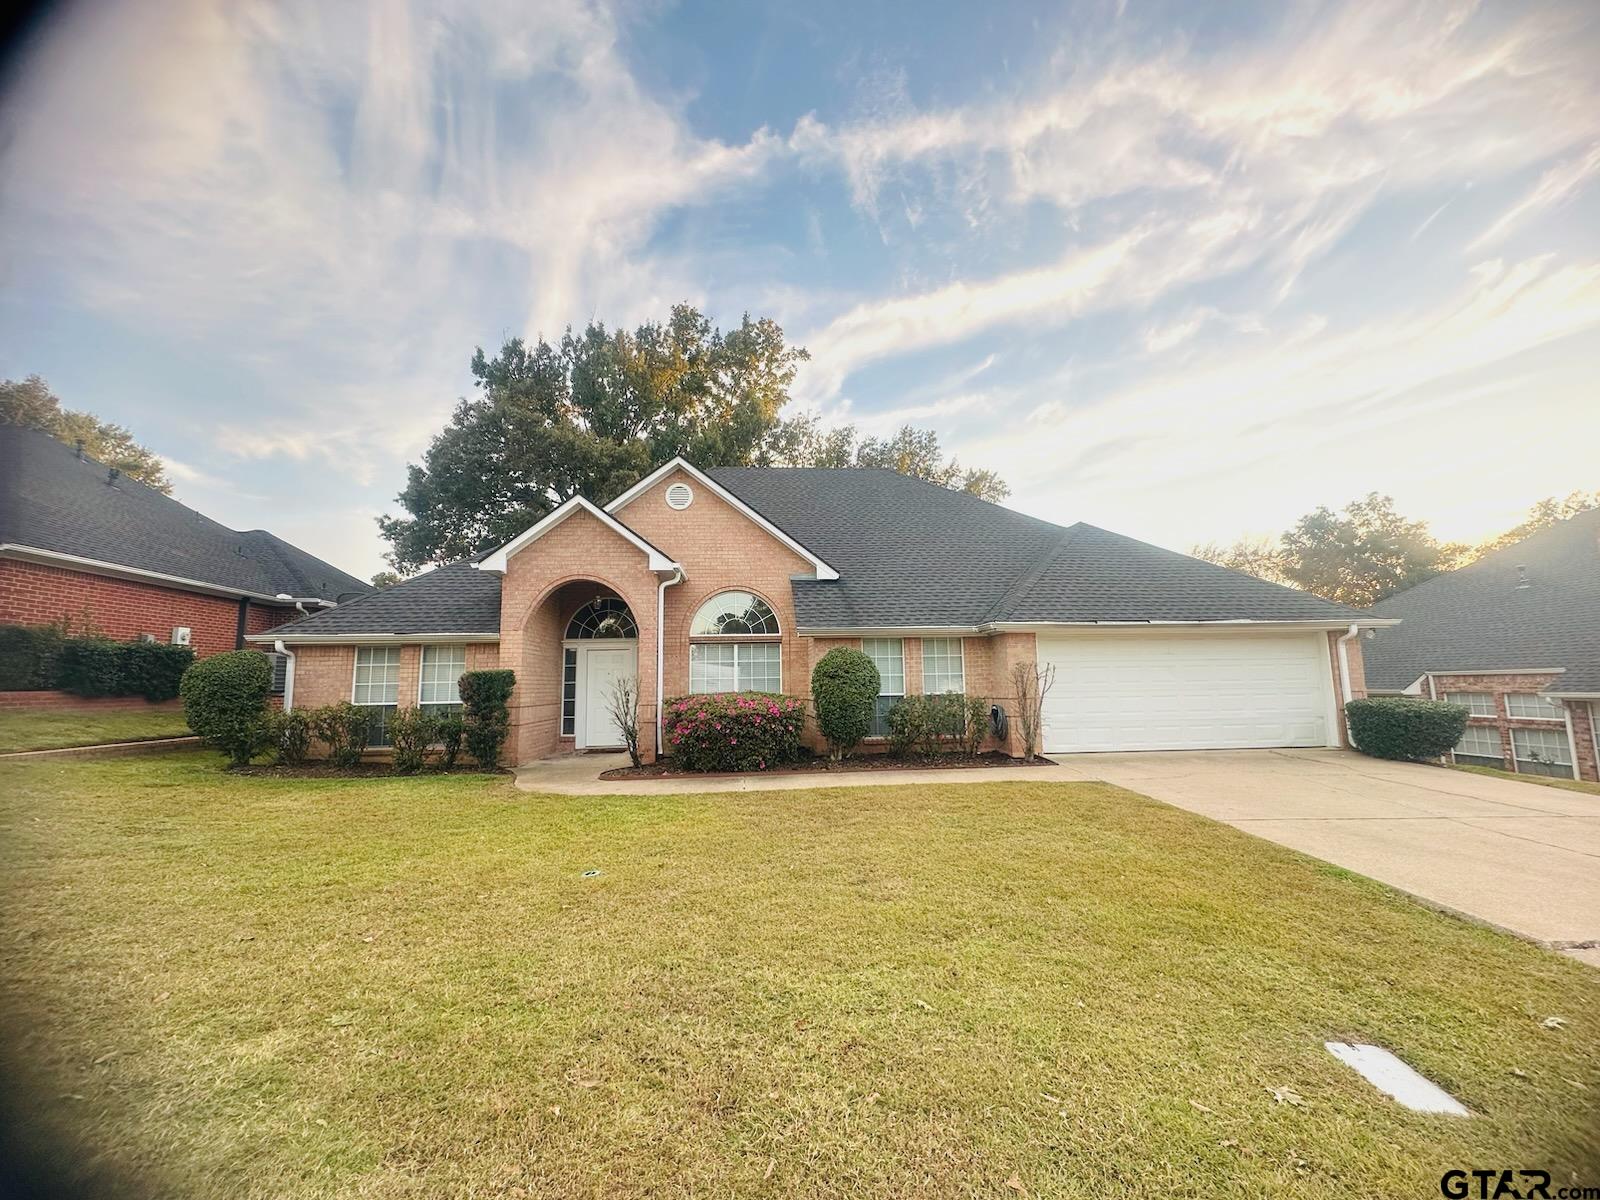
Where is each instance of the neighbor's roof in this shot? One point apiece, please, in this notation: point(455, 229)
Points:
point(457, 598)
point(55, 502)
point(1480, 619)
point(911, 553)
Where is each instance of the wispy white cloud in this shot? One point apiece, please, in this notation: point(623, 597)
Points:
point(1556, 186)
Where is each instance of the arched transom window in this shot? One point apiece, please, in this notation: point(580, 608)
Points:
point(603, 617)
point(734, 646)
point(734, 614)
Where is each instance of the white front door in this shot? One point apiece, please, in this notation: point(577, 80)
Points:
point(601, 667)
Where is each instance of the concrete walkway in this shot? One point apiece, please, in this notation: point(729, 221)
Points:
point(1516, 855)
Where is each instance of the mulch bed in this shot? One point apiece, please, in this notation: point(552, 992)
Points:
point(825, 766)
point(372, 770)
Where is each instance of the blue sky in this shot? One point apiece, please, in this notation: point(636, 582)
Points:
point(1185, 271)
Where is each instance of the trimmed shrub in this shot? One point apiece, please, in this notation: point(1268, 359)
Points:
point(844, 688)
point(1413, 730)
point(28, 656)
point(449, 732)
point(411, 732)
point(90, 666)
point(289, 734)
point(225, 702)
point(734, 731)
point(488, 721)
point(153, 670)
point(945, 723)
point(342, 727)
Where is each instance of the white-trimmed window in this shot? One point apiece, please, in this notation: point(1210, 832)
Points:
point(1479, 704)
point(889, 656)
point(1481, 746)
point(438, 690)
point(377, 688)
point(1531, 705)
point(569, 692)
point(943, 669)
point(735, 646)
point(1542, 752)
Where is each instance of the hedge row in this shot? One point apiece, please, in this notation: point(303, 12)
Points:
point(39, 658)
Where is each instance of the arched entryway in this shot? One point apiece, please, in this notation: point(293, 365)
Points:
point(599, 655)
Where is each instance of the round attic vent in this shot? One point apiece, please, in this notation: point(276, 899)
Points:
point(679, 496)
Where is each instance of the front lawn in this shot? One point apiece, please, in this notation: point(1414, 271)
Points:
point(1571, 785)
point(411, 987)
point(53, 728)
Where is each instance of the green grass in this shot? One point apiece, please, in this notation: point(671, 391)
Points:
point(289, 987)
point(1571, 785)
point(52, 728)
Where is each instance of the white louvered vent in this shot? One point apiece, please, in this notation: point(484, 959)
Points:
point(679, 496)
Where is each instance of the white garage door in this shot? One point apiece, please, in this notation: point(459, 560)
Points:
point(1159, 691)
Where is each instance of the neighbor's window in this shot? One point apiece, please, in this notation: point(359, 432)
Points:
point(1480, 745)
point(942, 666)
point(442, 668)
point(724, 655)
point(377, 688)
point(888, 655)
point(1479, 704)
point(1542, 752)
point(1530, 704)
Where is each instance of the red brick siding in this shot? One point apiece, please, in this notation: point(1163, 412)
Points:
point(35, 594)
point(1500, 686)
point(12, 701)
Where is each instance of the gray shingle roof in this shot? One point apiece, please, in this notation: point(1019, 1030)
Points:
point(52, 500)
point(1477, 618)
point(457, 598)
point(911, 553)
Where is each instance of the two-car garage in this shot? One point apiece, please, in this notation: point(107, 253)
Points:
point(1160, 689)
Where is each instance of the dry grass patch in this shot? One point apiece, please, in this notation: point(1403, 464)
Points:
point(256, 986)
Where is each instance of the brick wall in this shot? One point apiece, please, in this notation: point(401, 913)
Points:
point(1358, 678)
point(1500, 686)
point(14, 701)
point(35, 594)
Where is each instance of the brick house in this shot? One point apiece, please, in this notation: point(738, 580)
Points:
point(742, 578)
point(83, 546)
point(1516, 638)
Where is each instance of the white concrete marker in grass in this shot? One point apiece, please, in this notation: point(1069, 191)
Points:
point(1393, 1078)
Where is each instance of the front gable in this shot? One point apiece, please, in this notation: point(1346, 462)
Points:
point(500, 559)
point(673, 507)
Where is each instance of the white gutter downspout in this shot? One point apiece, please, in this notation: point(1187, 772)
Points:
point(1572, 740)
point(661, 643)
point(1344, 676)
point(288, 674)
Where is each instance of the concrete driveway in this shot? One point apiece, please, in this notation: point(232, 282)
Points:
point(1517, 855)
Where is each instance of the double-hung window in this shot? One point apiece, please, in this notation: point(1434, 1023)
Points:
point(1480, 745)
point(888, 655)
point(942, 666)
point(735, 646)
point(1542, 752)
point(438, 690)
point(377, 688)
point(1531, 705)
point(1479, 704)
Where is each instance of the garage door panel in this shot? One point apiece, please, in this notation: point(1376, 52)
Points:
point(1121, 692)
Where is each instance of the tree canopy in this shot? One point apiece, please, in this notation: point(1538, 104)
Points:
point(30, 402)
point(1369, 551)
point(598, 410)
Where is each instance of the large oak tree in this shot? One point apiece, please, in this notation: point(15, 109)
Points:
point(598, 410)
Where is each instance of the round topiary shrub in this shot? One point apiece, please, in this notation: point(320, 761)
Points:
point(1409, 730)
point(225, 702)
point(844, 688)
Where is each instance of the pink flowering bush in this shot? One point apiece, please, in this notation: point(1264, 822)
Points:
point(734, 731)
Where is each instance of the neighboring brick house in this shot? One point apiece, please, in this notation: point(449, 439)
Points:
point(83, 546)
point(742, 578)
point(1516, 638)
